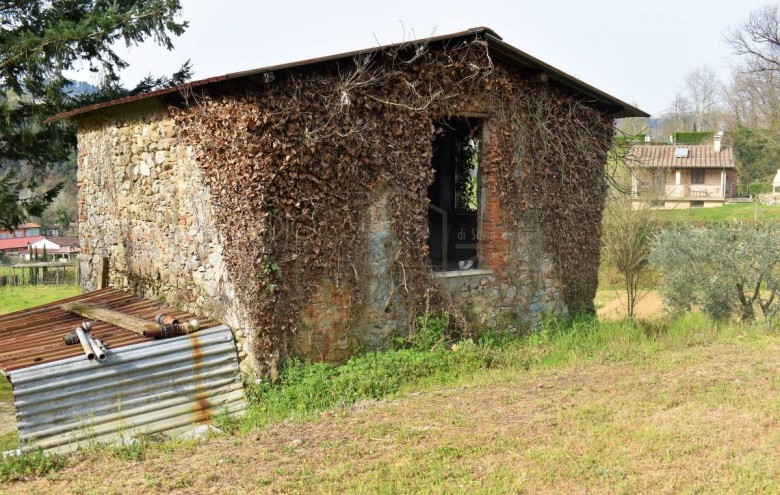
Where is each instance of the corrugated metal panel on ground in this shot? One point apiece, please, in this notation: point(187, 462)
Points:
point(151, 387)
point(34, 336)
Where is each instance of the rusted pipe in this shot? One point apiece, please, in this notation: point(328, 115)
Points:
point(173, 329)
point(85, 344)
point(164, 319)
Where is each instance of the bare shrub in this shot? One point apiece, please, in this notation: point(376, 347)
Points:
point(625, 244)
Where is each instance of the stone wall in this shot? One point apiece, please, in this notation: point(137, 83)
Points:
point(143, 205)
point(516, 283)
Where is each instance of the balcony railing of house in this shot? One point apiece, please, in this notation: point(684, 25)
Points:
point(694, 191)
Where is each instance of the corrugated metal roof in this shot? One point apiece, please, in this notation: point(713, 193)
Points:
point(150, 387)
point(699, 156)
point(34, 336)
point(513, 55)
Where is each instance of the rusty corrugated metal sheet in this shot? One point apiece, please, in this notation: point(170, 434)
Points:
point(510, 53)
point(34, 336)
point(148, 387)
point(699, 156)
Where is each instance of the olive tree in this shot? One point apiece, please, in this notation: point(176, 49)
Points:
point(725, 269)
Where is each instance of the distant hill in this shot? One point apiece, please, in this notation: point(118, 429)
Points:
point(81, 88)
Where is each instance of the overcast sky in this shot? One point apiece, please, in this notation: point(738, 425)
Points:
point(636, 51)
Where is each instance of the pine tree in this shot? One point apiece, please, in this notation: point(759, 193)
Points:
point(39, 40)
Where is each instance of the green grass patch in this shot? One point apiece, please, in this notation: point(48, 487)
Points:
point(30, 465)
point(6, 392)
point(426, 362)
point(9, 441)
point(306, 389)
point(27, 296)
point(726, 213)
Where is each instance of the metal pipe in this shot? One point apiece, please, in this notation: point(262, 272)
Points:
point(165, 319)
point(96, 348)
point(85, 344)
point(102, 345)
point(173, 329)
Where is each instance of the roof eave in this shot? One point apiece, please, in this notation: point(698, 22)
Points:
point(616, 107)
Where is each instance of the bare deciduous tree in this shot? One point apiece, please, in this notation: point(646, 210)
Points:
point(625, 245)
point(704, 95)
point(757, 40)
point(677, 116)
point(632, 126)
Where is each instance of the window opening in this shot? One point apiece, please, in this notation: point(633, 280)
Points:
point(697, 176)
point(454, 195)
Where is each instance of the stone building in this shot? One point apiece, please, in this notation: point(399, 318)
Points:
point(148, 214)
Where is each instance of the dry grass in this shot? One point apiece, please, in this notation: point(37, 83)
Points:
point(701, 417)
point(613, 305)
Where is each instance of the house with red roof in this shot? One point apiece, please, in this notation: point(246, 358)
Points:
point(18, 240)
point(57, 248)
point(682, 176)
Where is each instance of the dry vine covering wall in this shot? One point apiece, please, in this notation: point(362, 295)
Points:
point(296, 167)
point(554, 170)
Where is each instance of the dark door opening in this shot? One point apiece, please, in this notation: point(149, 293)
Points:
point(454, 195)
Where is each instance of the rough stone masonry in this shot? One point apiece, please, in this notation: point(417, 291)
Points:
point(143, 205)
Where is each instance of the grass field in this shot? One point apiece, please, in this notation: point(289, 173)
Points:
point(684, 407)
point(26, 296)
point(740, 211)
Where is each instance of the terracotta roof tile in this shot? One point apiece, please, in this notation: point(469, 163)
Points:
point(699, 156)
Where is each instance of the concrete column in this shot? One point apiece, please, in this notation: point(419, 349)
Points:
point(723, 183)
point(634, 186)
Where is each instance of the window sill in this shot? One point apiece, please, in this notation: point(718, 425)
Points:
point(474, 272)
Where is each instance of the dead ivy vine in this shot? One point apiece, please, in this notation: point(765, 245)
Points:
point(294, 165)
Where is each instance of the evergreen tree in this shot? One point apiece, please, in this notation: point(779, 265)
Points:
point(39, 40)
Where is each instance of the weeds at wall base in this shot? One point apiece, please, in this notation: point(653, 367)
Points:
point(30, 465)
point(306, 389)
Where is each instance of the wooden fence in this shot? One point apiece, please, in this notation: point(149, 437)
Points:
point(40, 273)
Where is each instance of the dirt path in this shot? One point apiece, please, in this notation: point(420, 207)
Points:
point(650, 306)
point(697, 420)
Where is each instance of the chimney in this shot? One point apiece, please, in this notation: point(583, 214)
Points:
point(716, 142)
